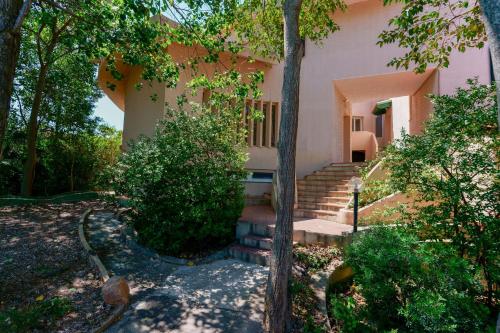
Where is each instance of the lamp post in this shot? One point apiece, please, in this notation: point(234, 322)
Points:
point(356, 186)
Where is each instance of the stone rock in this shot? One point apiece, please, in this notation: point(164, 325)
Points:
point(116, 291)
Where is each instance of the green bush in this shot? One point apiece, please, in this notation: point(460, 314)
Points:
point(415, 286)
point(185, 182)
point(451, 169)
point(344, 313)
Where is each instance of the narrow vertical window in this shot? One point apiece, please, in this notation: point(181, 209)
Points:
point(357, 124)
point(249, 122)
point(265, 124)
point(275, 124)
point(379, 126)
point(257, 126)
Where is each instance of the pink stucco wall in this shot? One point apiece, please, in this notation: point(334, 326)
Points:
point(325, 107)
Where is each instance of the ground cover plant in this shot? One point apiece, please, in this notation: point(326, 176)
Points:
point(185, 182)
point(308, 260)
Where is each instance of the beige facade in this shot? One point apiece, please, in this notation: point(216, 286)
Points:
point(341, 81)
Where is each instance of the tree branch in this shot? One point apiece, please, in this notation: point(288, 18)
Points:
point(22, 15)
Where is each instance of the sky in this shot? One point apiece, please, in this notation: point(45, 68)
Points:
point(109, 112)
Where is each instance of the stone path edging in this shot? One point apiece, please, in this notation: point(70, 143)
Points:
point(120, 309)
point(55, 199)
point(92, 254)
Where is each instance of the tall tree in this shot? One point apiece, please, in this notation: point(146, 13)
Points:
point(96, 29)
point(491, 14)
point(65, 112)
point(278, 300)
point(278, 29)
point(431, 29)
point(12, 14)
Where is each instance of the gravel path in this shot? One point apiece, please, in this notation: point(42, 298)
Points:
point(220, 296)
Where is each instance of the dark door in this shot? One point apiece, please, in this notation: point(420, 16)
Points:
point(358, 156)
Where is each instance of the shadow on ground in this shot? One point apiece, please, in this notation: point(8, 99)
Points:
point(221, 296)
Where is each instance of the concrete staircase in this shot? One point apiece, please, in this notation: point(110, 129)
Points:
point(322, 194)
point(254, 243)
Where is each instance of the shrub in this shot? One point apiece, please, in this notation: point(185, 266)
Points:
point(415, 286)
point(185, 182)
point(344, 313)
point(452, 170)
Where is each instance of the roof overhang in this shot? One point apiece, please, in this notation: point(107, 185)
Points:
point(384, 86)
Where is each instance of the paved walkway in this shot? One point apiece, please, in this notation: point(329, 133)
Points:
point(222, 296)
point(265, 215)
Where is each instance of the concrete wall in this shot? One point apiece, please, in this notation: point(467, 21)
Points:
point(364, 109)
point(400, 116)
point(364, 140)
point(421, 106)
point(141, 111)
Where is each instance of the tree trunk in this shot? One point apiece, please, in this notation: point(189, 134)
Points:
point(491, 15)
point(9, 52)
point(278, 300)
point(32, 134)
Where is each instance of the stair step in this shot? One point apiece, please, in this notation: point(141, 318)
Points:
point(307, 198)
point(316, 214)
point(321, 206)
point(341, 168)
point(255, 241)
point(250, 254)
point(330, 177)
point(322, 188)
point(321, 194)
point(343, 182)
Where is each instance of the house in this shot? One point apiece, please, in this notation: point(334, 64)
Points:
point(351, 103)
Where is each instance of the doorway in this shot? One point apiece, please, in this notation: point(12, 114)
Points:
point(358, 156)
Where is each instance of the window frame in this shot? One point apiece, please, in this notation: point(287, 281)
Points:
point(354, 121)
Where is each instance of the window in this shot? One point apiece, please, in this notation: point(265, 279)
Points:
point(265, 125)
point(275, 124)
point(357, 124)
point(262, 133)
point(248, 121)
point(257, 126)
point(261, 176)
point(379, 126)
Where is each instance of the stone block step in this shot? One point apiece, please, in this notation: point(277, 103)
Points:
point(333, 207)
point(321, 194)
point(349, 164)
point(330, 177)
point(316, 214)
point(322, 188)
point(341, 168)
point(248, 228)
point(259, 242)
point(249, 254)
point(340, 199)
point(315, 182)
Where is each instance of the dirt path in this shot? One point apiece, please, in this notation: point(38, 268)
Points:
point(221, 296)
